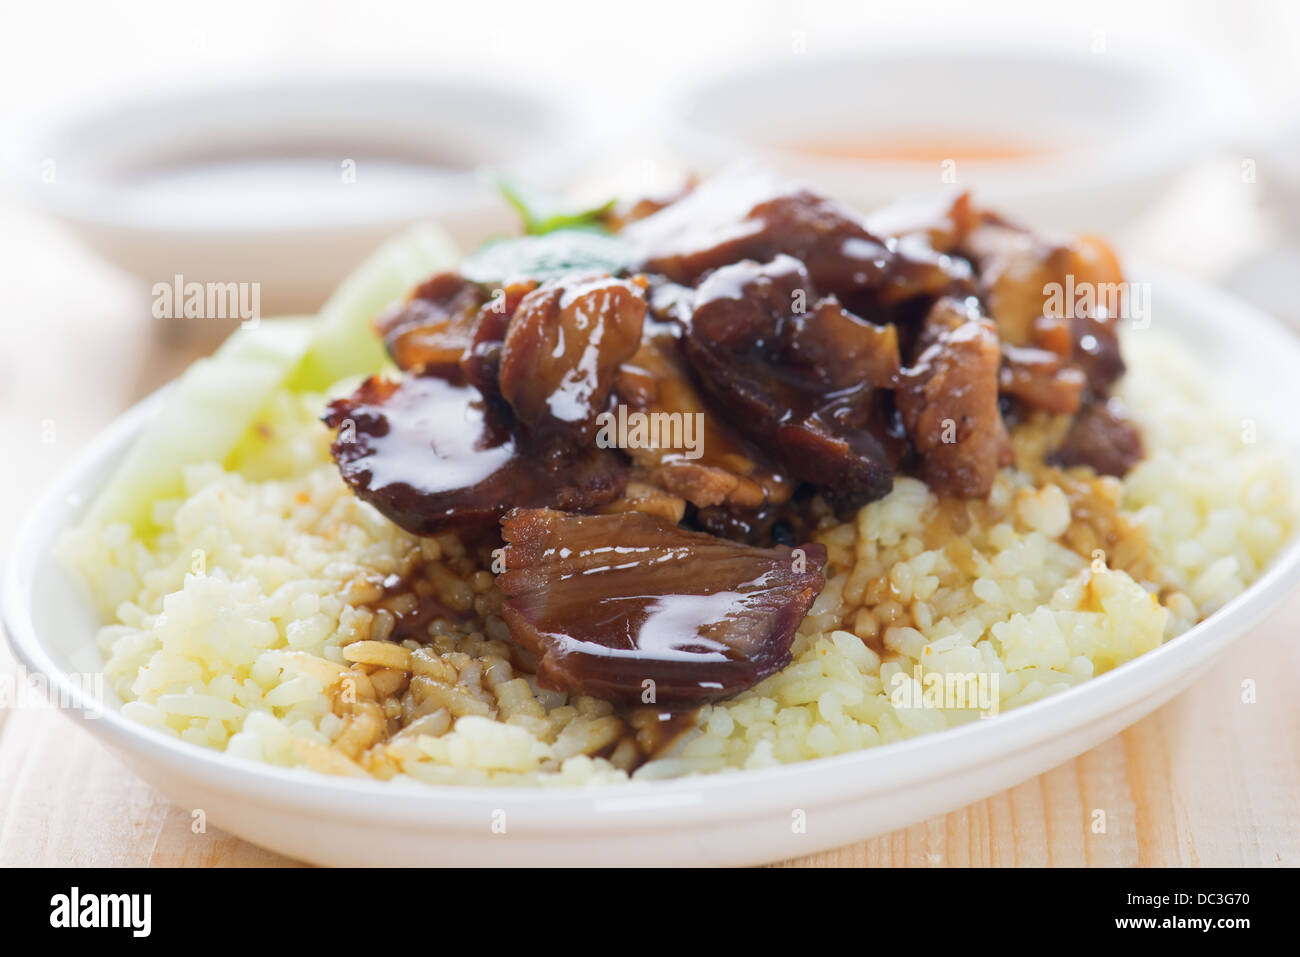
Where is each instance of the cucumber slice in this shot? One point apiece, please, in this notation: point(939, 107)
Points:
point(211, 407)
point(203, 417)
point(344, 342)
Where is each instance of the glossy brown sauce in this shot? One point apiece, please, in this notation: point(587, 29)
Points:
point(434, 454)
point(413, 624)
point(619, 604)
point(652, 731)
point(648, 730)
point(426, 407)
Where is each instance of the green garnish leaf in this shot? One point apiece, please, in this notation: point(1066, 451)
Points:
point(545, 212)
point(545, 257)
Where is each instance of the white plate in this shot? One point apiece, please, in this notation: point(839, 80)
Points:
point(736, 818)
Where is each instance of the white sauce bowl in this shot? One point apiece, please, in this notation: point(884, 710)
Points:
point(290, 184)
point(1099, 136)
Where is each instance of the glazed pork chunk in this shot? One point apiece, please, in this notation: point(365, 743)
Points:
point(803, 356)
point(635, 610)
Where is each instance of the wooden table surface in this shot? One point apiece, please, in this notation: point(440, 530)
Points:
point(1207, 780)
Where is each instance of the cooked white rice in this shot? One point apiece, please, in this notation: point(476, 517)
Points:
point(256, 622)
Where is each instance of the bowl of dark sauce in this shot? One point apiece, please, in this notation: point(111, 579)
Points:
point(290, 184)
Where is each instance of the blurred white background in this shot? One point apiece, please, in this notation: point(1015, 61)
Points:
point(620, 63)
point(65, 52)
